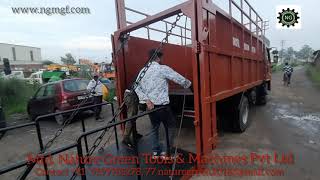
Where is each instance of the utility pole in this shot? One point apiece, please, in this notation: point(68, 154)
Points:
point(281, 55)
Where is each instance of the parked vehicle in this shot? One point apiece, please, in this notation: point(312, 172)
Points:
point(15, 74)
point(58, 96)
point(48, 76)
point(227, 60)
point(36, 78)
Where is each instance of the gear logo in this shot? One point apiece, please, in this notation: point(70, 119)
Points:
point(288, 17)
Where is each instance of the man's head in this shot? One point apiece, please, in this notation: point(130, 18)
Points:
point(95, 76)
point(155, 55)
point(286, 63)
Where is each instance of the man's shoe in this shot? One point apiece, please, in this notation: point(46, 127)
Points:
point(127, 143)
point(139, 136)
point(166, 156)
point(155, 155)
point(100, 119)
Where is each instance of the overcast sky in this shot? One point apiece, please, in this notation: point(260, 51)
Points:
point(88, 36)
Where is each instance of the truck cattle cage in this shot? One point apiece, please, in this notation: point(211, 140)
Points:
point(224, 54)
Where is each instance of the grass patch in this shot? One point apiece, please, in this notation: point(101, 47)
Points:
point(15, 94)
point(277, 68)
point(314, 74)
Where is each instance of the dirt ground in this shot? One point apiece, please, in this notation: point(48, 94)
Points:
point(289, 123)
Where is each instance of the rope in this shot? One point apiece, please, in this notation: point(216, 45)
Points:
point(182, 112)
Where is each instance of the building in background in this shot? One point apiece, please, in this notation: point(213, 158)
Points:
point(23, 58)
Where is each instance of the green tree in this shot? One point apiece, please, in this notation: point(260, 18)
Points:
point(68, 60)
point(290, 54)
point(305, 52)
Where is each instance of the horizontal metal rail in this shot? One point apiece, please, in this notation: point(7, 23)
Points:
point(17, 127)
point(146, 15)
point(154, 29)
point(70, 111)
point(133, 118)
point(38, 129)
point(84, 135)
point(43, 156)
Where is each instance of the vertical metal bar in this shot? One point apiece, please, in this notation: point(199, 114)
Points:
point(148, 31)
point(115, 127)
point(121, 14)
point(257, 25)
point(45, 166)
point(81, 163)
point(230, 4)
point(167, 31)
point(250, 19)
point(135, 142)
point(181, 36)
point(85, 138)
point(116, 135)
point(241, 5)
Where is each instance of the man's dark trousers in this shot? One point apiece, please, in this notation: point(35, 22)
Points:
point(166, 117)
point(97, 100)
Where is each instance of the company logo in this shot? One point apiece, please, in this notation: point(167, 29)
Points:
point(289, 17)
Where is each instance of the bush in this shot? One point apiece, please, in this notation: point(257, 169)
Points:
point(276, 68)
point(15, 94)
point(314, 74)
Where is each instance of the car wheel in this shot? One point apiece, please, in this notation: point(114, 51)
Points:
point(59, 118)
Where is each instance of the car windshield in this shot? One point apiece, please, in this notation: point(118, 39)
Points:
point(75, 85)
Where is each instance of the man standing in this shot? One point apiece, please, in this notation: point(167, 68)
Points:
point(288, 70)
point(95, 87)
point(132, 102)
point(153, 90)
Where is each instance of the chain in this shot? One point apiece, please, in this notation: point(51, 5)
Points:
point(124, 40)
point(133, 87)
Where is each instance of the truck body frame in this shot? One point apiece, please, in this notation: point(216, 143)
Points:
point(227, 57)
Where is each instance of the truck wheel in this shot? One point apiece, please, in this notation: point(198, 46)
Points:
point(253, 97)
point(59, 118)
point(241, 115)
point(262, 100)
point(262, 95)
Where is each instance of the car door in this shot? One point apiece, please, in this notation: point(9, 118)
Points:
point(44, 101)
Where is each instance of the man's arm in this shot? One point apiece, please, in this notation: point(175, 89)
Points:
point(172, 75)
point(90, 86)
point(141, 95)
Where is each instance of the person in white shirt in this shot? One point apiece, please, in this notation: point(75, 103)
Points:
point(95, 87)
point(153, 90)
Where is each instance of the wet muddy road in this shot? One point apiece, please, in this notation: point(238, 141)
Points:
point(288, 125)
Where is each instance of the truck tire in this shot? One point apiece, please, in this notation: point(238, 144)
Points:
point(241, 115)
point(252, 97)
point(262, 95)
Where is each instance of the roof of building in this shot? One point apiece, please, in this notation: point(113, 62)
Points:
point(20, 45)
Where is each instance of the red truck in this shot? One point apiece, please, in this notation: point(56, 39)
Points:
point(225, 54)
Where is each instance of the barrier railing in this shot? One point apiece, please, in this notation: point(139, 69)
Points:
point(36, 124)
point(77, 144)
